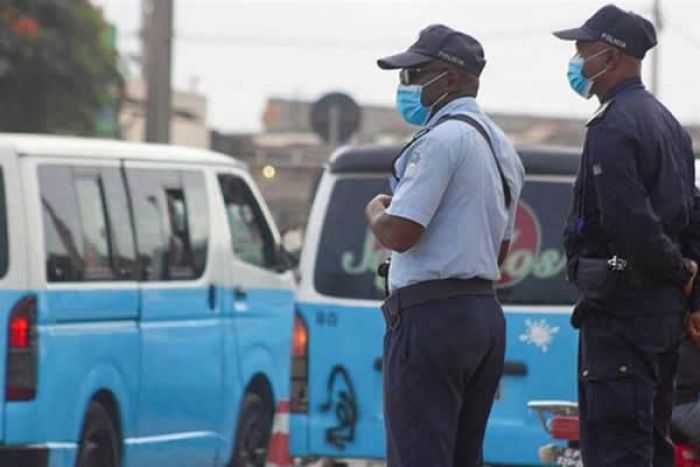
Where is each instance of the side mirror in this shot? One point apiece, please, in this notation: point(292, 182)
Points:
point(285, 260)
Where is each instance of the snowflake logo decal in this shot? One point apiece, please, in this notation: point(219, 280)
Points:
point(539, 333)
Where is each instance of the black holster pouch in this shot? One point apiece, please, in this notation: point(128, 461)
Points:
point(383, 272)
point(595, 279)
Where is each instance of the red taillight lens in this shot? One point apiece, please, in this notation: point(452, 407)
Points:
point(687, 456)
point(22, 351)
point(565, 427)
point(300, 338)
point(19, 332)
point(299, 399)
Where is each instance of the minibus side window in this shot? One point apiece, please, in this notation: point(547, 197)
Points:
point(172, 223)
point(96, 236)
point(123, 247)
point(87, 228)
point(61, 218)
point(251, 238)
point(198, 220)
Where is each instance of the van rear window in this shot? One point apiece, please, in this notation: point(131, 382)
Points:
point(534, 272)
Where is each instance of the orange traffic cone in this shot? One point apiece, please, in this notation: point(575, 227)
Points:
point(278, 449)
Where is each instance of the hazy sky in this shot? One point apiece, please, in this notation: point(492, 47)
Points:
point(239, 52)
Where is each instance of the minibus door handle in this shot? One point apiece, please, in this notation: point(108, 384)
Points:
point(212, 297)
point(515, 368)
point(240, 294)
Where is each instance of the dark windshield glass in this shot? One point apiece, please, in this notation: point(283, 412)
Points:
point(534, 272)
point(4, 248)
point(348, 255)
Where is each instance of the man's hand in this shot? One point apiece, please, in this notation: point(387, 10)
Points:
point(394, 233)
point(693, 327)
point(377, 206)
point(688, 289)
point(385, 200)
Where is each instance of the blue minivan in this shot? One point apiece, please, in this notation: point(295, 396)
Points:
point(146, 307)
point(336, 396)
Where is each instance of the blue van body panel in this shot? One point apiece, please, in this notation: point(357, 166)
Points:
point(89, 305)
point(546, 344)
point(299, 441)
point(221, 352)
point(68, 381)
point(263, 333)
point(539, 340)
point(345, 386)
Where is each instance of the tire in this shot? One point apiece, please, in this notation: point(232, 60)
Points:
point(252, 432)
point(99, 440)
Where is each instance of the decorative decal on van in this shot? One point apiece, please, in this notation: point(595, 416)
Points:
point(373, 254)
point(539, 333)
point(341, 399)
point(525, 257)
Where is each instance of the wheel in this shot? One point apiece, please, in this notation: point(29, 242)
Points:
point(99, 440)
point(252, 433)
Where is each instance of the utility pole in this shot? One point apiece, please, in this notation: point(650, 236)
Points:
point(655, 53)
point(157, 44)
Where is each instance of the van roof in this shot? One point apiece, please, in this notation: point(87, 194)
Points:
point(538, 160)
point(69, 146)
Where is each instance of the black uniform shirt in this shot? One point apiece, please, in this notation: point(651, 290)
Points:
point(635, 193)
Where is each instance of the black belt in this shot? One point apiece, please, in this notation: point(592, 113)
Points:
point(423, 292)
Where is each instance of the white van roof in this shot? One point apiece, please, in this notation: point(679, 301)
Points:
point(63, 146)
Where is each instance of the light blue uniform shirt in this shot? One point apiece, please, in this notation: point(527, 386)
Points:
point(449, 183)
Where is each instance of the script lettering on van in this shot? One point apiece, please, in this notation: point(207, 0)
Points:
point(526, 256)
point(373, 254)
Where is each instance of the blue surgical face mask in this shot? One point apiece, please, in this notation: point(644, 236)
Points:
point(409, 102)
point(578, 82)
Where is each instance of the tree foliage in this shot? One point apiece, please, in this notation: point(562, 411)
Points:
point(58, 69)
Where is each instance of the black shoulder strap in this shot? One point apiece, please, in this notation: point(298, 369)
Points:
point(478, 127)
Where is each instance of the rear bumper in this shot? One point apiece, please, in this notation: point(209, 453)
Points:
point(24, 456)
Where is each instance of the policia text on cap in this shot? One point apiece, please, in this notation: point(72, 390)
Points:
point(632, 240)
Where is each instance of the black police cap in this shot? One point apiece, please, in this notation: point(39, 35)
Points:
point(625, 30)
point(438, 42)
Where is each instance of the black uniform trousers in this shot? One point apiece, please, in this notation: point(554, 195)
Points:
point(627, 368)
point(442, 367)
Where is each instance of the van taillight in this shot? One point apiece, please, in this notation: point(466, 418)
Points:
point(565, 427)
point(22, 350)
point(299, 400)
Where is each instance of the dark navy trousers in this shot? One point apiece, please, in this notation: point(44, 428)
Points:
point(627, 368)
point(442, 367)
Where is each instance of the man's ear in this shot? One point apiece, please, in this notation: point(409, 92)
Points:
point(453, 81)
point(614, 58)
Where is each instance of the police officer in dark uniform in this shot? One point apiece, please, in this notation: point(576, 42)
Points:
point(631, 240)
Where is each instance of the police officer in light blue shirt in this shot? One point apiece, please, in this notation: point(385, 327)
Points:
point(449, 224)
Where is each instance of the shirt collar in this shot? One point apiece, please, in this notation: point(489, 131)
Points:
point(459, 105)
point(627, 85)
